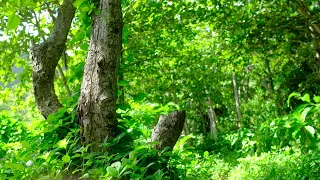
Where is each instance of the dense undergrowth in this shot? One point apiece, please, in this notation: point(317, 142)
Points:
point(280, 148)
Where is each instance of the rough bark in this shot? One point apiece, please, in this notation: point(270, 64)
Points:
point(97, 103)
point(168, 129)
point(45, 57)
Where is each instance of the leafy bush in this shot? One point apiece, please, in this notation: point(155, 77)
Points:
point(54, 151)
point(298, 128)
point(282, 165)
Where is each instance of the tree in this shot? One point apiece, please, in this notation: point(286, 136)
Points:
point(97, 103)
point(45, 57)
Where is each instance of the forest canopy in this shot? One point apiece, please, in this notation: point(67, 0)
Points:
point(159, 89)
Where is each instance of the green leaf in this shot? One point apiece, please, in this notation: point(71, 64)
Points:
point(139, 97)
point(310, 129)
point(123, 83)
point(29, 163)
point(306, 98)
point(45, 156)
point(206, 154)
point(111, 171)
point(125, 30)
point(316, 99)
point(77, 3)
point(66, 158)
point(119, 92)
point(183, 140)
point(62, 144)
point(80, 36)
point(130, 58)
point(249, 8)
point(19, 167)
point(123, 107)
point(13, 21)
point(295, 94)
point(125, 34)
point(116, 165)
point(85, 7)
point(84, 47)
point(305, 113)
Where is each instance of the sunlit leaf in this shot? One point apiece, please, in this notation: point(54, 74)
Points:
point(305, 112)
point(77, 3)
point(116, 165)
point(306, 98)
point(62, 143)
point(310, 129)
point(111, 171)
point(16, 166)
point(29, 163)
point(13, 21)
point(66, 158)
point(316, 99)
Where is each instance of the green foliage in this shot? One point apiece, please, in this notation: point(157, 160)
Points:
point(298, 128)
point(12, 130)
point(176, 55)
point(276, 166)
point(59, 154)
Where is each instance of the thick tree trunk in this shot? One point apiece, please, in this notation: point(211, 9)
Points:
point(45, 59)
point(97, 103)
point(166, 133)
point(168, 129)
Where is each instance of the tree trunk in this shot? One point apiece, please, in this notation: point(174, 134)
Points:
point(312, 26)
point(166, 133)
point(97, 103)
point(213, 119)
point(236, 98)
point(168, 129)
point(45, 59)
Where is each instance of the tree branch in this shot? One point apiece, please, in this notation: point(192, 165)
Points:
point(45, 59)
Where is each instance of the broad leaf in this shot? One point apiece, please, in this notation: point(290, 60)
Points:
point(13, 21)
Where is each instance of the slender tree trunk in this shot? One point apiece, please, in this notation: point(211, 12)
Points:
point(45, 57)
point(64, 58)
point(246, 85)
point(213, 119)
point(186, 128)
point(97, 103)
point(236, 98)
point(203, 121)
